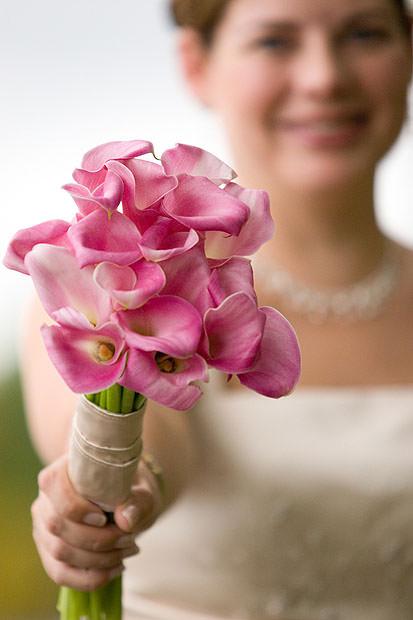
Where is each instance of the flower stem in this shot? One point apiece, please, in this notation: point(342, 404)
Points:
point(127, 400)
point(113, 398)
point(105, 603)
point(103, 399)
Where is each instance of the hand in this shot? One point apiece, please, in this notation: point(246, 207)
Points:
point(76, 545)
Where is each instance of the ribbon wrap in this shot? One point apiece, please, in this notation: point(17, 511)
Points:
point(104, 452)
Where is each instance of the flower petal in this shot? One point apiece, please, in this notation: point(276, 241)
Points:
point(165, 323)
point(129, 188)
point(151, 182)
point(52, 232)
point(74, 352)
point(89, 180)
point(143, 375)
point(97, 157)
point(257, 230)
point(107, 194)
point(278, 367)
point(99, 237)
point(187, 276)
point(186, 159)
point(61, 283)
point(199, 204)
point(166, 238)
point(70, 317)
point(234, 331)
point(230, 277)
point(132, 286)
point(82, 197)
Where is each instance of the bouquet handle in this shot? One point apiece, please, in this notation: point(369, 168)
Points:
point(105, 449)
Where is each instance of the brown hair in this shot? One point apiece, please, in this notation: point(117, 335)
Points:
point(204, 15)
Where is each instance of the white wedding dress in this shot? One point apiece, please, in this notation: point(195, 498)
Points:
point(302, 509)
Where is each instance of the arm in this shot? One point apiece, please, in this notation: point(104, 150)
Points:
point(68, 529)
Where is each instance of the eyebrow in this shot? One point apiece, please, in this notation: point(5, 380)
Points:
point(290, 24)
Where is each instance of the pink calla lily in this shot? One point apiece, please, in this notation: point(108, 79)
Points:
point(99, 237)
point(129, 189)
point(107, 194)
point(151, 182)
point(277, 369)
point(258, 229)
point(144, 185)
point(101, 177)
point(165, 323)
point(96, 158)
point(88, 180)
point(164, 379)
point(232, 276)
point(187, 276)
point(61, 283)
point(130, 287)
point(89, 359)
point(149, 284)
point(199, 204)
point(52, 232)
point(234, 332)
point(166, 238)
point(186, 159)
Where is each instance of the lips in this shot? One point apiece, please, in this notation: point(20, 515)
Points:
point(325, 129)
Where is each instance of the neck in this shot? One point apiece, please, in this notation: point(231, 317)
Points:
point(327, 238)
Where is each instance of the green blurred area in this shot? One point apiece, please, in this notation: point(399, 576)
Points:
point(25, 590)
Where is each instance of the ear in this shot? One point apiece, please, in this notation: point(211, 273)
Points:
point(193, 56)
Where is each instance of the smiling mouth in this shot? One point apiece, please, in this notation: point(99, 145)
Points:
point(326, 130)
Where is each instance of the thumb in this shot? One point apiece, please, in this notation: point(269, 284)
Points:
point(134, 515)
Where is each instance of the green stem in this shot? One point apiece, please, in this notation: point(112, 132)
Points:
point(105, 603)
point(113, 398)
point(102, 399)
point(138, 401)
point(127, 400)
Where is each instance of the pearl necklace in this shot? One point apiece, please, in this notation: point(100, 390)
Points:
point(360, 301)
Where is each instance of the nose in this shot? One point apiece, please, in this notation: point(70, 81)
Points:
point(321, 70)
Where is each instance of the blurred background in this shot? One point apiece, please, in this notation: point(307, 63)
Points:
point(75, 75)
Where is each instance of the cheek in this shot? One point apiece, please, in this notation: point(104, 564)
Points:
point(248, 91)
point(387, 83)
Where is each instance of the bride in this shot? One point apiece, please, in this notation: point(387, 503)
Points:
point(298, 509)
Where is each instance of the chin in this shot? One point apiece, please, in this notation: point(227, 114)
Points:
point(330, 171)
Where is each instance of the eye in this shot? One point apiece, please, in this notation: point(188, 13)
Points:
point(369, 35)
point(275, 43)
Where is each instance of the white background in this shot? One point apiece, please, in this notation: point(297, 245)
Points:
point(77, 74)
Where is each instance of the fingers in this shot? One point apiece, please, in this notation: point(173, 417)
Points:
point(84, 580)
point(55, 484)
point(46, 518)
point(73, 552)
point(77, 547)
point(143, 506)
point(62, 551)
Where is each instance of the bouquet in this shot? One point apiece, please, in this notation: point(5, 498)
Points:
point(149, 286)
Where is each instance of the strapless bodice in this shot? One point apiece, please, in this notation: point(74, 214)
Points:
point(300, 509)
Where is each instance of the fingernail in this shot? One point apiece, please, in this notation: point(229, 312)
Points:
point(131, 514)
point(124, 541)
point(95, 518)
point(115, 572)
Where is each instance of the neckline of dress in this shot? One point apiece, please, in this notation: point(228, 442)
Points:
point(321, 391)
